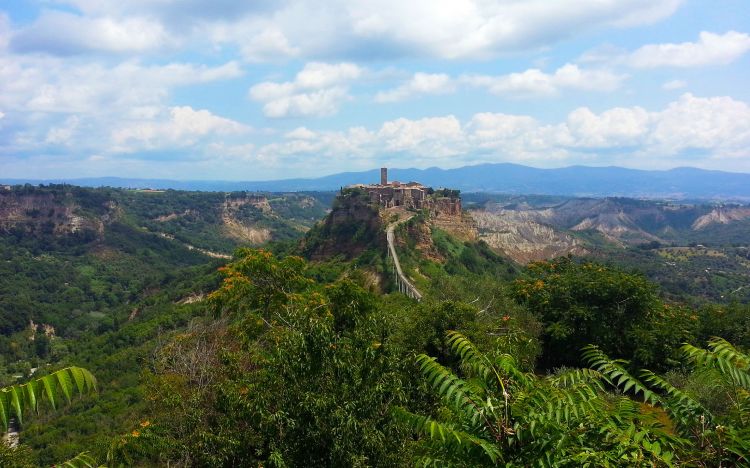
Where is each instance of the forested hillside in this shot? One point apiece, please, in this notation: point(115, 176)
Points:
point(299, 351)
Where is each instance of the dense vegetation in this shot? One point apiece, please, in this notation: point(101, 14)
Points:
point(274, 360)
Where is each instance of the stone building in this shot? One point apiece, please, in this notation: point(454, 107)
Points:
point(411, 195)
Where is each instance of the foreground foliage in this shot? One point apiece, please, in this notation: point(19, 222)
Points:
point(720, 437)
point(306, 364)
point(17, 400)
point(497, 414)
point(292, 374)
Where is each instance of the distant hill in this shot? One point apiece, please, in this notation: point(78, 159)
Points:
point(680, 183)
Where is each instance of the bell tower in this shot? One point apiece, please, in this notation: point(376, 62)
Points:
point(383, 176)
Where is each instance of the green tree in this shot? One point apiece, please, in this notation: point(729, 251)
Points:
point(583, 303)
point(293, 374)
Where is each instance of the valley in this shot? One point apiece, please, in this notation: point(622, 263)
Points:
point(119, 280)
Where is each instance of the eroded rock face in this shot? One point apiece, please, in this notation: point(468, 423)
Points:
point(721, 216)
point(448, 215)
point(51, 214)
point(251, 234)
point(518, 235)
point(353, 226)
point(237, 229)
point(258, 201)
point(421, 234)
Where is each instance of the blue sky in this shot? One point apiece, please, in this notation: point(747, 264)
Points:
point(266, 89)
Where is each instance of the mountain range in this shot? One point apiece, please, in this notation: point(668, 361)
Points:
point(679, 183)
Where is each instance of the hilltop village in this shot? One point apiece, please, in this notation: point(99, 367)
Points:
point(412, 195)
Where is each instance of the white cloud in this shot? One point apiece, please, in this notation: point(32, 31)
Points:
point(43, 84)
point(63, 134)
point(534, 82)
point(338, 29)
point(715, 127)
point(674, 84)
point(267, 45)
point(317, 90)
point(433, 136)
point(321, 75)
point(613, 128)
point(65, 103)
point(419, 84)
point(300, 133)
point(179, 127)
point(461, 29)
point(711, 49)
point(65, 33)
point(486, 126)
point(713, 132)
point(719, 126)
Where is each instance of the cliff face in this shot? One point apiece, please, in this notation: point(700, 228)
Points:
point(421, 234)
point(353, 226)
point(523, 239)
point(53, 213)
point(461, 226)
point(235, 223)
point(446, 214)
point(721, 216)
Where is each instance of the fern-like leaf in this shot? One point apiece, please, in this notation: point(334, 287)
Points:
point(454, 391)
point(616, 374)
point(82, 460)
point(723, 357)
point(64, 383)
point(678, 403)
point(726, 350)
point(447, 435)
point(573, 377)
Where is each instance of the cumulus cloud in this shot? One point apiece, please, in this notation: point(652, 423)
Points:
point(719, 126)
point(39, 84)
point(178, 127)
point(534, 82)
point(618, 127)
point(300, 133)
point(451, 29)
point(61, 103)
point(63, 33)
point(711, 49)
point(342, 29)
point(317, 90)
point(716, 127)
point(674, 84)
point(63, 134)
point(432, 136)
point(716, 130)
point(419, 84)
point(268, 44)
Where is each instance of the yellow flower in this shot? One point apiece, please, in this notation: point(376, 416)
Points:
point(135, 434)
point(145, 423)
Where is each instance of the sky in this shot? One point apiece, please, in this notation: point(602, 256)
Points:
point(257, 90)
